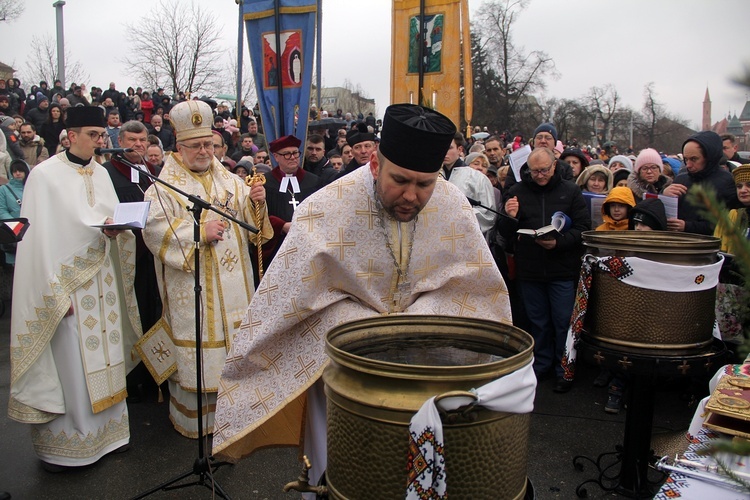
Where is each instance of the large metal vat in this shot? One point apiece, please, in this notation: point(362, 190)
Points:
point(636, 317)
point(382, 369)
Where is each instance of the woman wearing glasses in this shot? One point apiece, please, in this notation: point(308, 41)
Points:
point(647, 174)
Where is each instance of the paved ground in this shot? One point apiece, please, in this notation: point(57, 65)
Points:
point(563, 426)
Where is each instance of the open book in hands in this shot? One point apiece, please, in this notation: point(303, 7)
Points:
point(129, 216)
point(560, 224)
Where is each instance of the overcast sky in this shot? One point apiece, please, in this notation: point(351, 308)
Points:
point(680, 45)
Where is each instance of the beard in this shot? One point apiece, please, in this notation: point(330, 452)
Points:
point(401, 212)
point(201, 165)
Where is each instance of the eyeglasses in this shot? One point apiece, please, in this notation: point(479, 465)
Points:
point(649, 168)
point(95, 137)
point(541, 171)
point(208, 146)
point(694, 159)
point(544, 137)
point(289, 155)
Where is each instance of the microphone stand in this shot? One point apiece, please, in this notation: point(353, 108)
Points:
point(475, 203)
point(201, 465)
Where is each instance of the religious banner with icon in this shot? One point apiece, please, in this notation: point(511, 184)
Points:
point(281, 38)
point(291, 64)
point(432, 42)
point(436, 51)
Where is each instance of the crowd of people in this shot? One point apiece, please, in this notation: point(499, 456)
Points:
point(542, 273)
point(321, 223)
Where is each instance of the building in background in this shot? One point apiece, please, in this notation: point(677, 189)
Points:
point(348, 101)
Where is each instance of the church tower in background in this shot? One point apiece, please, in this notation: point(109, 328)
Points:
point(706, 112)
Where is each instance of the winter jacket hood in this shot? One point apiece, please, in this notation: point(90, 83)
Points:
point(622, 195)
point(589, 171)
point(712, 147)
point(651, 212)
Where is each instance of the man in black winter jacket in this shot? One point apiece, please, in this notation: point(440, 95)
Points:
point(702, 153)
point(545, 136)
point(547, 269)
point(317, 162)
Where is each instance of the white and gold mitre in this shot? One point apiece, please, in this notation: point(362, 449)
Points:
point(191, 119)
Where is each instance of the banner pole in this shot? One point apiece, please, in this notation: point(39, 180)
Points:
point(319, 52)
point(279, 78)
point(240, 56)
point(420, 65)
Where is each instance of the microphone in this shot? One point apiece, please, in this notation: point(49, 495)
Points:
point(474, 203)
point(104, 151)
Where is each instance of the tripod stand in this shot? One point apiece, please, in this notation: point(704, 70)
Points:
point(202, 466)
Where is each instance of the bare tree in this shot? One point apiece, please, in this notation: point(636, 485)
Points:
point(652, 111)
point(505, 76)
point(41, 64)
point(570, 118)
point(602, 103)
point(175, 51)
point(656, 128)
point(228, 81)
point(10, 10)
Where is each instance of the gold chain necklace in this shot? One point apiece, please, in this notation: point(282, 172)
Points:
point(404, 285)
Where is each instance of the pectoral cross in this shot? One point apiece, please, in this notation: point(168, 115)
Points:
point(403, 291)
point(293, 202)
point(226, 208)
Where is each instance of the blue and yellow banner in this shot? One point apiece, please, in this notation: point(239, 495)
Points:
point(281, 37)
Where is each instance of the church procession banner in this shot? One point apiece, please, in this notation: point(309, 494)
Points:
point(444, 23)
point(281, 38)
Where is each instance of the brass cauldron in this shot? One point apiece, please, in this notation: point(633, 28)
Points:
point(382, 369)
point(621, 314)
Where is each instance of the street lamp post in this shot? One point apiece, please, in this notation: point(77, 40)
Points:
point(60, 42)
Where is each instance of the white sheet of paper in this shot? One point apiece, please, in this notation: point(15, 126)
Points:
point(596, 212)
point(517, 159)
point(670, 204)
